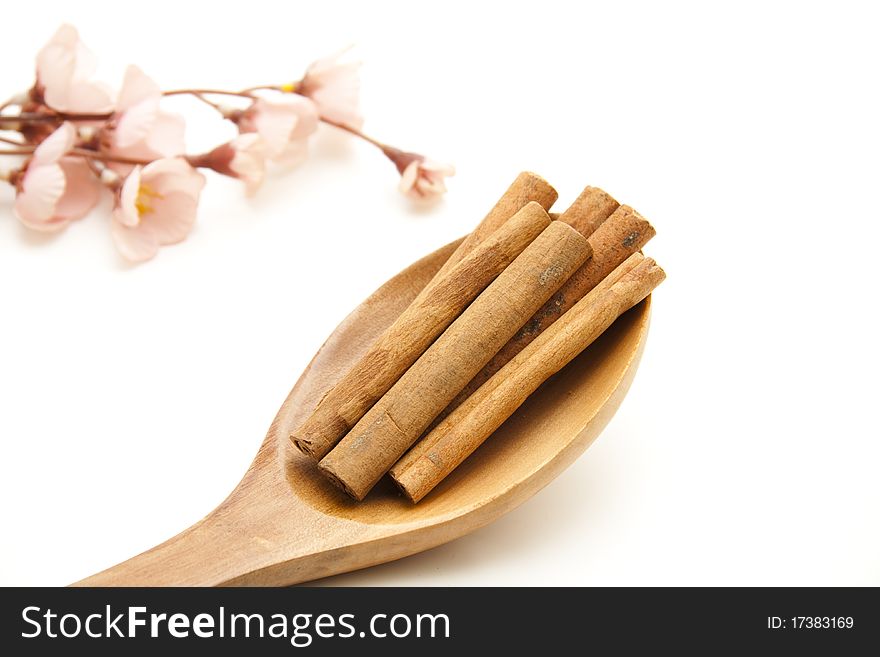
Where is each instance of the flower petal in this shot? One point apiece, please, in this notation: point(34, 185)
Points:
point(88, 98)
point(56, 61)
point(438, 168)
point(63, 68)
point(81, 191)
point(173, 174)
point(173, 217)
point(334, 85)
point(143, 130)
point(166, 137)
point(248, 162)
point(137, 87)
point(56, 145)
point(136, 244)
point(172, 165)
point(293, 154)
point(431, 187)
point(136, 123)
point(330, 62)
point(279, 122)
point(307, 113)
point(274, 121)
point(408, 177)
point(42, 188)
point(126, 211)
point(339, 107)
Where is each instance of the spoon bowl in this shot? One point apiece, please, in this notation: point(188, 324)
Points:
point(285, 523)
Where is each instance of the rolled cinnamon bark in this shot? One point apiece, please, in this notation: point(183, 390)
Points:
point(440, 427)
point(526, 188)
point(589, 210)
point(397, 420)
point(623, 233)
point(414, 331)
point(454, 439)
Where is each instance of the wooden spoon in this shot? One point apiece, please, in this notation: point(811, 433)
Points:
point(284, 523)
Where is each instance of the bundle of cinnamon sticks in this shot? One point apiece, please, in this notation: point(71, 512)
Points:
point(518, 299)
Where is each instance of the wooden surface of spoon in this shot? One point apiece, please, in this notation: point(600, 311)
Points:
point(284, 523)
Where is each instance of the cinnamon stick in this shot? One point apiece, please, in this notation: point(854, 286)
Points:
point(623, 233)
point(413, 332)
point(396, 421)
point(454, 439)
point(589, 210)
point(443, 424)
point(526, 188)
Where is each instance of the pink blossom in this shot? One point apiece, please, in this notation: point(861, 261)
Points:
point(64, 67)
point(156, 205)
point(424, 179)
point(284, 125)
point(334, 85)
point(140, 129)
point(54, 189)
point(244, 158)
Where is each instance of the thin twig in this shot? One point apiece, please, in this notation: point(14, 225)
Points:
point(15, 100)
point(266, 87)
point(93, 165)
point(19, 151)
point(106, 157)
point(80, 152)
point(210, 103)
point(14, 142)
point(29, 117)
point(357, 133)
point(215, 92)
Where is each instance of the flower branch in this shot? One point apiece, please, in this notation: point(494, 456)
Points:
point(79, 139)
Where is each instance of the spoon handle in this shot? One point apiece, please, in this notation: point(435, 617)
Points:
point(206, 554)
point(246, 541)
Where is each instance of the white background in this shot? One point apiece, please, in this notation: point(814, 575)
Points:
point(133, 398)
